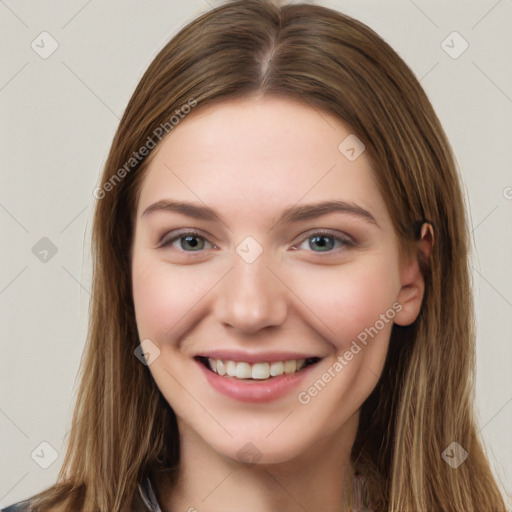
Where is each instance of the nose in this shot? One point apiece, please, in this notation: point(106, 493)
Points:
point(251, 296)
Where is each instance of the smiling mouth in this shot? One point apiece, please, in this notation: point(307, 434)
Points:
point(258, 371)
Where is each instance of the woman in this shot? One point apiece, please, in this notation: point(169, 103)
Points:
point(229, 364)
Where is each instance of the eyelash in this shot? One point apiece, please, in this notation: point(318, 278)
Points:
point(321, 233)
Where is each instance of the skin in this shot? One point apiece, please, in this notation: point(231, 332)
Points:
point(248, 160)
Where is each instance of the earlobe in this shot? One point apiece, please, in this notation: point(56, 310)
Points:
point(412, 280)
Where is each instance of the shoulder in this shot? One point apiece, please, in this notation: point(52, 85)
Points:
point(21, 506)
point(146, 494)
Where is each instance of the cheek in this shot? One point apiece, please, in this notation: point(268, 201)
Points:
point(161, 296)
point(169, 298)
point(356, 302)
point(350, 299)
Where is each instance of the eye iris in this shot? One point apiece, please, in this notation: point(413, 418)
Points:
point(319, 239)
point(195, 245)
point(324, 242)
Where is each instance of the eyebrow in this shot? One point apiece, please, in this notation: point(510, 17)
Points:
point(290, 215)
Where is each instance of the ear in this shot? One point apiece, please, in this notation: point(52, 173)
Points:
point(412, 288)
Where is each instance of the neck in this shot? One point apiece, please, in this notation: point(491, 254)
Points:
point(318, 479)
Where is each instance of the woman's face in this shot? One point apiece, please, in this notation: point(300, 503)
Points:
point(266, 280)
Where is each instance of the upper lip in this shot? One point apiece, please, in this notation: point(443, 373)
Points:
point(256, 357)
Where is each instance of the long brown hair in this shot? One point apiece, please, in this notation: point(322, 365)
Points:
point(123, 428)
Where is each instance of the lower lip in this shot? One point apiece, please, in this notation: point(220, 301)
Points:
point(255, 390)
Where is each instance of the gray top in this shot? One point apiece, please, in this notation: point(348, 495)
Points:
point(360, 494)
point(147, 494)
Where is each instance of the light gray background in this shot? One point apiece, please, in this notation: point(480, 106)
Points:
point(58, 117)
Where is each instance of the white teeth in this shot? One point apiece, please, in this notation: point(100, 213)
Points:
point(277, 368)
point(290, 366)
point(243, 371)
point(257, 371)
point(260, 371)
point(221, 369)
point(231, 368)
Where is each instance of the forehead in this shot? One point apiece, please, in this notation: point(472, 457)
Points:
point(260, 154)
